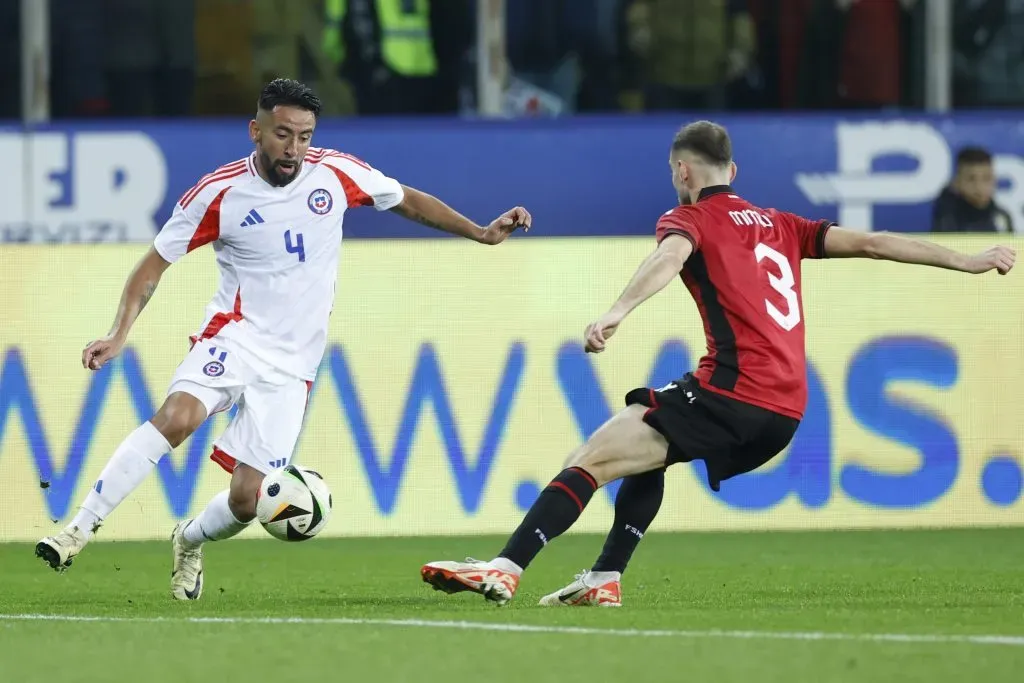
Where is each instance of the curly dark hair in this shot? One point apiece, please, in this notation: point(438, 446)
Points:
point(290, 93)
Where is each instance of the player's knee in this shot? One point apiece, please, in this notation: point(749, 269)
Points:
point(242, 505)
point(589, 454)
point(179, 416)
point(245, 483)
point(623, 446)
point(577, 457)
point(586, 458)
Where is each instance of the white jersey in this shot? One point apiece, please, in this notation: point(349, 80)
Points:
point(277, 250)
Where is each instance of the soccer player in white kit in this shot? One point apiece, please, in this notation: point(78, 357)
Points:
point(274, 220)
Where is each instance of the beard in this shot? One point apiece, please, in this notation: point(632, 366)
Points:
point(276, 173)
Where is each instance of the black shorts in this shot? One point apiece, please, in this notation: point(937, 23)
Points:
point(730, 436)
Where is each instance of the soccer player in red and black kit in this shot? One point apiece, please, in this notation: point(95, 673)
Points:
point(740, 408)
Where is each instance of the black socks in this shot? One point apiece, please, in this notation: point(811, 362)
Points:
point(636, 506)
point(557, 509)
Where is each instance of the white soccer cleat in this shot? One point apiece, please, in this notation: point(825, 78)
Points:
point(590, 589)
point(187, 572)
point(58, 551)
point(496, 585)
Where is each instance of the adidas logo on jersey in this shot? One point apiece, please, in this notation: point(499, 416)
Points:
point(252, 219)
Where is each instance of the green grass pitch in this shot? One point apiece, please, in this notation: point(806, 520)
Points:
point(818, 607)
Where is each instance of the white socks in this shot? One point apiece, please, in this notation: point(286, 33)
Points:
point(131, 463)
point(215, 523)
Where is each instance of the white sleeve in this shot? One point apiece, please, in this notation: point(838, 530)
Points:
point(191, 226)
point(364, 185)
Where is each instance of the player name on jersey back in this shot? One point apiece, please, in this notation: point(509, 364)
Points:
point(277, 249)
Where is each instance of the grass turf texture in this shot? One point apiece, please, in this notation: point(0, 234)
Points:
point(882, 582)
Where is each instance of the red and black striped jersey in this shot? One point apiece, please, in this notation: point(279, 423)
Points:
point(744, 275)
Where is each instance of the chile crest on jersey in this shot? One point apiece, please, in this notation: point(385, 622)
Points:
point(320, 202)
point(213, 369)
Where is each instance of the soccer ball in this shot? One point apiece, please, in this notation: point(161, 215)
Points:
point(293, 503)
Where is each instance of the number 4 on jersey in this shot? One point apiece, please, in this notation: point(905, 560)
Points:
point(783, 285)
point(294, 247)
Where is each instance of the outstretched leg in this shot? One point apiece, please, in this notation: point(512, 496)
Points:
point(127, 468)
point(623, 446)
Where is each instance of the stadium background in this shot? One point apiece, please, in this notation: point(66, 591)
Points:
point(455, 383)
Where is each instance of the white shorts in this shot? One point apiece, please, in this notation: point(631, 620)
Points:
point(271, 404)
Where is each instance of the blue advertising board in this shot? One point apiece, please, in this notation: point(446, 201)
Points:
point(602, 176)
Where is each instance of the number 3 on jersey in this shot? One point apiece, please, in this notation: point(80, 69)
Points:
point(295, 247)
point(783, 285)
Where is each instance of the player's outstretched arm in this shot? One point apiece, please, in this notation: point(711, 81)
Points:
point(138, 290)
point(840, 243)
point(657, 270)
point(430, 211)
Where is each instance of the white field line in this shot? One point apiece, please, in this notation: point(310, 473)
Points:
point(1014, 641)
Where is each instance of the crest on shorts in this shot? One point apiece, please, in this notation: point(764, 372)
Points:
point(213, 369)
point(320, 202)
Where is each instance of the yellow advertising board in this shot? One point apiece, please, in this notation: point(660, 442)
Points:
point(455, 384)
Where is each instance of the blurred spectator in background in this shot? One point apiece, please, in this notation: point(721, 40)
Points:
point(401, 56)
point(77, 84)
point(693, 51)
point(780, 34)
point(852, 54)
point(968, 204)
point(275, 38)
point(10, 58)
point(405, 57)
point(988, 51)
point(568, 48)
point(150, 56)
